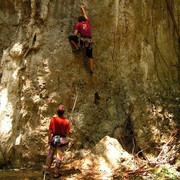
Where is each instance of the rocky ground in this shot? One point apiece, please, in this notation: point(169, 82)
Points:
point(68, 172)
point(106, 161)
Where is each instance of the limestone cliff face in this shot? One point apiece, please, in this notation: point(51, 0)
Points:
point(132, 96)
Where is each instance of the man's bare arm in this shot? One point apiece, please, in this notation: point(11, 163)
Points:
point(49, 135)
point(75, 32)
point(83, 11)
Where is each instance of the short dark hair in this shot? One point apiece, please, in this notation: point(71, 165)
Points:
point(60, 112)
point(81, 18)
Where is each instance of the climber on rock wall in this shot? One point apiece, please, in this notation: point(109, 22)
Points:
point(59, 128)
point(83, 29)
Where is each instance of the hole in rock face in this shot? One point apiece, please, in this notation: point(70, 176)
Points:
point(96, 98)
point(128, 139)
point(128, 136)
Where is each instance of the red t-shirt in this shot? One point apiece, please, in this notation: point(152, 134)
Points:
point(84, 28)
point(59, 125)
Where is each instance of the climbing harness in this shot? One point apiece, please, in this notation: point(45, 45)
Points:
point(85, 41)
point(57, 140)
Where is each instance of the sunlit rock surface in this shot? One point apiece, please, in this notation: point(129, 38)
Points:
point(107, 156)
point(133, 95)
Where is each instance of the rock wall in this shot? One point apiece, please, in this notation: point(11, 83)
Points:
point(132, 96)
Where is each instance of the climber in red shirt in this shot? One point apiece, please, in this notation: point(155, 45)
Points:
point(84, 29)
point(59, 128)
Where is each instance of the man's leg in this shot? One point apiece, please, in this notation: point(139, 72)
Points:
point(91, 65)
point(89, 55)
point(74, 41)
point(59, 157)
point(74, 44)
point(49, 158)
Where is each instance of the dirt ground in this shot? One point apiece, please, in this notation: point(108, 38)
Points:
point(68, 172)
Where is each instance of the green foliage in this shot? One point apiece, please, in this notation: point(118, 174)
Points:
point(161, 172)
point(166, 172)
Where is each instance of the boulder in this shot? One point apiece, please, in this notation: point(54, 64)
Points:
point(107, 156)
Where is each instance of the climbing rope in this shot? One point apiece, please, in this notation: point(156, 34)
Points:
point(75, 101)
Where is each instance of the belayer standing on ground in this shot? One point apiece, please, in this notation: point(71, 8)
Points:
point(84, 29)
point(59, 128)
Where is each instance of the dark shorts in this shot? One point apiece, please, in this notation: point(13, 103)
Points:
point(77, 40)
